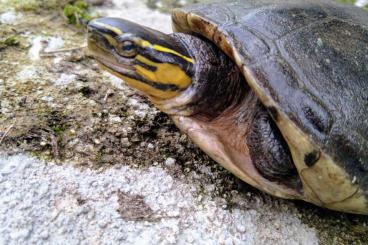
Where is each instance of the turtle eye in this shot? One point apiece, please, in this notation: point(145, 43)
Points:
point(127, 49)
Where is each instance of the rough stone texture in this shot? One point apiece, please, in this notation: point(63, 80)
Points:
point(44, 203)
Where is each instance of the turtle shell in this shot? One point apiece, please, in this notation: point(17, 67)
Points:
point(308, 63)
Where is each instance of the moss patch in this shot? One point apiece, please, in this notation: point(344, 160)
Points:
point(347, 1)
point(77, 12)
point(11, 40)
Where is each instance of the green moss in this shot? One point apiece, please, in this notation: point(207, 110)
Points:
point(11, 40)
point(347, 1)
point(77, 13)
point(58, 129)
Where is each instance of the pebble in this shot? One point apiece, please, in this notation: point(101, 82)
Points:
point(141, 114)
point(54, 43)
point(44, 234)
point(17, 234)
point(83, 210)
point(28, 72)
point(61, 230)
point(43, 188)
point(91, 215)
point(115, 119)
point(319, 42)
point(133, 103)
point(125, 142)
point(240, 228)
point(65, 79)
point(91, 103)
point(9, 17)
point(170, 162)
point(102, 224)
point(47, 98)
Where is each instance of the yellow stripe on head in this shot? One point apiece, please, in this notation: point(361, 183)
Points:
point(116, 30)
point(150, 61)
point(111, 40)
point(146, 88)
point(145, 44)
point(150, 90)
point(165, 73)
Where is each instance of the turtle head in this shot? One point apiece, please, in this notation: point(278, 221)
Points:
point(146, 59)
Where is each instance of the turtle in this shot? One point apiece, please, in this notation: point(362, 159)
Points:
point(276, 91)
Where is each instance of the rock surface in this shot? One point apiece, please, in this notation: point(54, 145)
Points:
point(61, 204)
